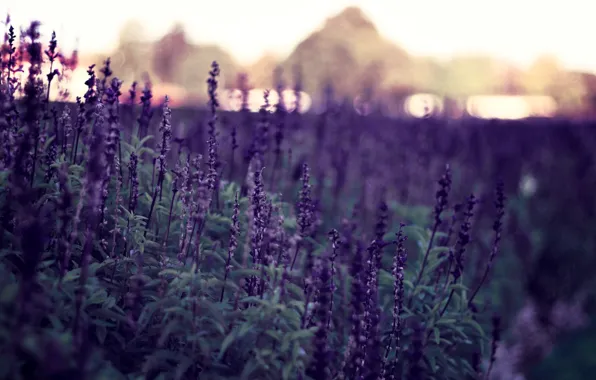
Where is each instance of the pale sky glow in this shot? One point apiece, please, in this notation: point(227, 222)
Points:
point(517, 30)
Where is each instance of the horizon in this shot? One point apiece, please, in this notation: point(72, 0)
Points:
point(248, 31)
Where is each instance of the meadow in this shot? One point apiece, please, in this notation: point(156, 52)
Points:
point(139, 241)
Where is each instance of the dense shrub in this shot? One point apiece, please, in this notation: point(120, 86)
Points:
point(236, 252)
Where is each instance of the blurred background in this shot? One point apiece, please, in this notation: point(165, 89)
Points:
point(450, 58)
point(507, 59)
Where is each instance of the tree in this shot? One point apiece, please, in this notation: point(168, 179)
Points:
point(547, 76)
point(471, 75)
point(511, 81)
point(133, 52)
point(169, 52)
point(132, 31)
point(342, 52)
point(541, 75)
point(192, 71)
point(569, 91)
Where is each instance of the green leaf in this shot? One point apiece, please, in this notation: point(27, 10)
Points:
point(171, 327)
point(48, 142)
point(226, 343)
point(287, 370)
point(9, 293)
point(437, 335)
point(275, 334)
point(239, 273)
point(301, 334)
point(142, 142)
point(295, 290)
point(432, 361)
point(476, 326)
point(458, 286)
point(297, 352)
point(183, 367)
point(56, 322)
point(113, 314)
point(436, 250)
point(109, 303)
point(101, 332)
point(146, 315)
point(249, 369)
point(96, 298)
point(158, 358)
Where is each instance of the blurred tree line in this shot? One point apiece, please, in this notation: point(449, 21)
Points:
point(349, 52)
point(172, 59)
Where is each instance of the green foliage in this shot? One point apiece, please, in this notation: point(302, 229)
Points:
point(572, 359)
point(123, 260)
point(182, 329)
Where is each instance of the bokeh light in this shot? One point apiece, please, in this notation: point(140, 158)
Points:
point(231, 100)
point(289, 98)
point(510, 107)
point(421, 105)
point(362, 106)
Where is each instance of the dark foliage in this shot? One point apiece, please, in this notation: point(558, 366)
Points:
point(325, 251)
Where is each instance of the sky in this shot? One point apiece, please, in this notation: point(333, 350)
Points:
point(516, 30)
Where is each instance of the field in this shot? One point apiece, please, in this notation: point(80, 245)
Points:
point(143, 242)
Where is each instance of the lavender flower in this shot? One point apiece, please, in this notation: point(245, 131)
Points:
point(416, 353)
point(52, 54)
point(132, 93)
point(234, 230)
point(201, 203)
point(106, 70)
point(305, 209)
point(498, 229)
point(335, 241)
point(80, 125)
point(133, 162)
point(212, 142)
point(160, 162)
point(320, 369)
point(67, 128)
point(382, 219)
point(463, 237)
point(441, 203)
point(234, 146)
point(91, 96)
point(354, 356)
point(399, 262)
point(146, 111)
point(50, 158)
point(496, 338)
point(92, 186)
point(259, 210)
point(456, 256)
point(374, 364)
point(186, 194)
point(112, 142)
point(164, 145)
point(280, 116)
